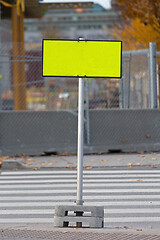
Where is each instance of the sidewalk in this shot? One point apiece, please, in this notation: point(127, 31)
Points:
point(90, 161)
point(44, 231)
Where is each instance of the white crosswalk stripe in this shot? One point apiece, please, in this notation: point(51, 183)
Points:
point(130, 197)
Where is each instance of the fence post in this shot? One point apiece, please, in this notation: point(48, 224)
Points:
point(152, 75)
point(121, 93)
point(0, 64)
point(122, 86)
point(129, 80)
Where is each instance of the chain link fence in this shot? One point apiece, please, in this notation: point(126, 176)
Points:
point(135, 88)
point(47, 93)
point(21, 83)
point(128, 125)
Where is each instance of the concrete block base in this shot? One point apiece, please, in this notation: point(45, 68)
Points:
point(79, 216)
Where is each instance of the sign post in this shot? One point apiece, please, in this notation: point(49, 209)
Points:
point(80, 143)
point(81, 59)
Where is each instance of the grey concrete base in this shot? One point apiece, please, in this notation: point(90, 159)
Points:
point(92, 222)
point(80, 216)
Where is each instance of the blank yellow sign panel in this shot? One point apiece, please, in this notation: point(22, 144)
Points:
point(73, 58)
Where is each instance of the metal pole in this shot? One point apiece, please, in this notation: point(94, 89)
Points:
point(121, 86)
point(80, 143)
point(124, 93)
point(141, 82)
point(129, 80)
point(1, 63)
point(87, 112)
point(121, 93)
point(153, 75)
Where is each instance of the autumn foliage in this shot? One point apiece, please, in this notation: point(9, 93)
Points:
point(141, 23)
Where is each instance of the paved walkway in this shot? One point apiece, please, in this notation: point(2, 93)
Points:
point(48, 232)
point(90, 161)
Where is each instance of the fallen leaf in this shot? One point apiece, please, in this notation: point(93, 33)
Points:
point(103, 160)
point(27, 164)
point(141, 152)
point(139, 180)
point(148, 135)
point(130, 165)
point(4, 158)
point(35, 168)
point(154, 165)
point(88, 167)
point(68, 166)
point(138, 229)
point(50, 164)
point(24, 155)
point(126, 227)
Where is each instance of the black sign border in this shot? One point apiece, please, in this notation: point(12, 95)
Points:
point(78, 40)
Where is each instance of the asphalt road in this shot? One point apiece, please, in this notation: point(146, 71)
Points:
point(131, 197)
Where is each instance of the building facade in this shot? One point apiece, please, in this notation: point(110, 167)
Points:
point(90, 23)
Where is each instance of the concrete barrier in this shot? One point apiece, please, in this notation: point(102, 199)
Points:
point(32, 132)
point(36, 132)
point(125, 130)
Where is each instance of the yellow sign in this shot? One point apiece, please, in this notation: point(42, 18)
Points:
point(81, 58)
